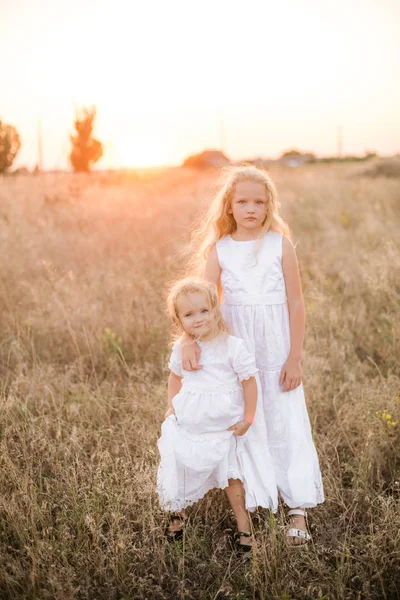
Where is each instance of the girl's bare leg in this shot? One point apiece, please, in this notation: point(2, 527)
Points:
point(175, 522)
point(235, 493)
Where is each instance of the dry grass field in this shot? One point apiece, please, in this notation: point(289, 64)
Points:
point(83, 347)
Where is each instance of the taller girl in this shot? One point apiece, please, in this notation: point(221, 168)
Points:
point(246, 250)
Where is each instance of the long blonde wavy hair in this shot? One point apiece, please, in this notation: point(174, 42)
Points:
point(218, 222)
point(187, 286)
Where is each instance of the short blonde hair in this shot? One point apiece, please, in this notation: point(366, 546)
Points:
point(187, 286)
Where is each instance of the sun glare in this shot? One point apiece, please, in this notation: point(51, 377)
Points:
point(140, 152)
point(159, 84)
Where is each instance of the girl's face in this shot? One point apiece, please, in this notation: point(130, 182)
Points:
point(249, 204)
point(195, 314)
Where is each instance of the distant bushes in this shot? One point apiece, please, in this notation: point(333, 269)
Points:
point(10, 143)
point(207, 159)
point(385, 168)
point(347, 159)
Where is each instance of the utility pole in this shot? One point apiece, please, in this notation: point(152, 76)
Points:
point(221, 131)
point(40, 145)
point(339, 141)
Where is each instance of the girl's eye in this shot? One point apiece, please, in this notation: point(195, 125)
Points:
point(204, 310)
point(260, 201)
point(242, 201)
point(188, 315)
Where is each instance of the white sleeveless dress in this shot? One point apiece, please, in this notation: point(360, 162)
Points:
point(197, 452)
point(255, 307)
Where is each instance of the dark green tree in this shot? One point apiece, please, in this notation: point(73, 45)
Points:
point(10, 144)
point(86, 150)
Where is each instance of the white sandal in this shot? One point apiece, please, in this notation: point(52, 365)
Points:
point(298, 533)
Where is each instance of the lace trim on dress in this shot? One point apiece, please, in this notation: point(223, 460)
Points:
point(180, 504)
point(203, 389)
point(205, 438)
point(247, 374)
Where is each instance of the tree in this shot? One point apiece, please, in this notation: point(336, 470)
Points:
point(10, 144)
point(208, 158)
point(86, 150)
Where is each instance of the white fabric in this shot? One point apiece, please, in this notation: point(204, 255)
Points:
point(297, 511)
point(299, 533)
point(197, 452)
point(255, 307)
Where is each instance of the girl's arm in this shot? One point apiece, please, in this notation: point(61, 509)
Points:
point(291, 371)
point(250, 405)
point(174, 387)
point(190, 348)
point(212, 270)
point(190, 353)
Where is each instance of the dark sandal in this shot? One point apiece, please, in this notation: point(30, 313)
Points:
point(177, 535)
point(242, 547)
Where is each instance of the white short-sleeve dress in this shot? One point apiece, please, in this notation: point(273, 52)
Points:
point(197, 452)
point(255, 307)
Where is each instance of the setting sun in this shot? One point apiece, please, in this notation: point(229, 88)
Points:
point(281, 75)
point(140, 151)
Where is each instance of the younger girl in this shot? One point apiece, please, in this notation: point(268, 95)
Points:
point(206, 439)
point(246, 250)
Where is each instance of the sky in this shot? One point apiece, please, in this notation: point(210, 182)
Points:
point(170, 77)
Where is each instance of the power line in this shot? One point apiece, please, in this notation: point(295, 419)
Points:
point(40, 144)
point(339, 141)
point(221, 131)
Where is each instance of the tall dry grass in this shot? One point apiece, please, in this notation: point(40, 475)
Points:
point(83, 347)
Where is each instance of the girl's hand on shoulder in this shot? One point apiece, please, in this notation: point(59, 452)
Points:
point(291, 374)
point(169, 412)
point(190, 354)
point(240, 428)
